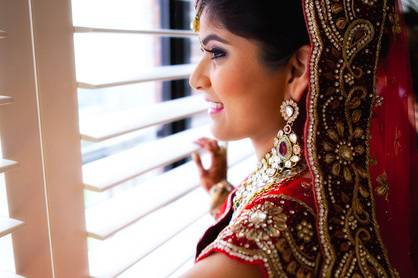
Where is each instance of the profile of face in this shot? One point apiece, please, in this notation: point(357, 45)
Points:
point(243, 93)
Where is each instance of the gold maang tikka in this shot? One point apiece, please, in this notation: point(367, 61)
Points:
point(196, 21)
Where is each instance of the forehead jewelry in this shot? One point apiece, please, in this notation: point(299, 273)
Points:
point(196, 21)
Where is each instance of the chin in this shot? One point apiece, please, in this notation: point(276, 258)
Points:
point(224, 134)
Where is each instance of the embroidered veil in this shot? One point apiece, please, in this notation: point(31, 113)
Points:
point(361, 138)
point(360, 147)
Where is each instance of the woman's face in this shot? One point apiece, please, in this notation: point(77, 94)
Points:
point(243, 94)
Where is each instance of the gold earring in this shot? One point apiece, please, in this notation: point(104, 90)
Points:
point(286, 142)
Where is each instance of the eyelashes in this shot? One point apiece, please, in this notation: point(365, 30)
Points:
point(215, 52)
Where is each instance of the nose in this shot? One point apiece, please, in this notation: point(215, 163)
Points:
point(199, 79)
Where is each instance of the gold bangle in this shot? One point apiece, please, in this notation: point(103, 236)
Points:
point(220, 188)
point(218, 193)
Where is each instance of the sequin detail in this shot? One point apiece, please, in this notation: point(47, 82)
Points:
point(346, 39)
point(266, 232)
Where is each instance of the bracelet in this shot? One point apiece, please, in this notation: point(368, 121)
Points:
point(218, 194)
point(220, 188)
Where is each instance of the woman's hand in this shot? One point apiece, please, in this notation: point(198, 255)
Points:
point(217, 170)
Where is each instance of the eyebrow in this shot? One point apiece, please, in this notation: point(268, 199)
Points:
point(213, 37)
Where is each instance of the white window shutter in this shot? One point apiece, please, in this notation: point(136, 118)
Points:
point(38, 129)
point(120, 214)
point(136, 227)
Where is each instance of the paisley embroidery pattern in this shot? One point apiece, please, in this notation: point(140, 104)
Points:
point(382, 185)
point(276, 231)
point(346, 37)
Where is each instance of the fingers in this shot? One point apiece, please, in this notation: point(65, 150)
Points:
point(210, 145)
point(198, 161)
point(206, 143)
point(213, 145)
point(216, 150)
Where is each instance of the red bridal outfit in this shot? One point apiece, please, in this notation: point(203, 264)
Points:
point(349, 208)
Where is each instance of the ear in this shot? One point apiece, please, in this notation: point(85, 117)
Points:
point(297, 79)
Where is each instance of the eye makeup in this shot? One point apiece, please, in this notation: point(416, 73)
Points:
point(215, 52)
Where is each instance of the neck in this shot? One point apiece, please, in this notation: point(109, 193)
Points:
point(263, 144)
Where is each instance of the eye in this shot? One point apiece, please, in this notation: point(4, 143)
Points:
point(215, 52)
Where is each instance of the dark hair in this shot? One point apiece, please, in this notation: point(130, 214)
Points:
point(277, 25)
point(411, 21)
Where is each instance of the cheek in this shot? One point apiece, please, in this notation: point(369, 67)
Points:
point(240, 87)
point(227, 82)
point(236, 86)
point(235, 90)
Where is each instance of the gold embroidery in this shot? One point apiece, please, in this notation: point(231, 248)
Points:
point(265, 232)
point(262, 222)
point(306, 185)
point(340, 153)
point(396, 142)
point(373, 161)
point(382, 185)
point(259, 182)
point(305, 231)
point(348, 33)
point(378, 101)
point(394, 21)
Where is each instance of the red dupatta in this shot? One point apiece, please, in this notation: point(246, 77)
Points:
point(393, 149)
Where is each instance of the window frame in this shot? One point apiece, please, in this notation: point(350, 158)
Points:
point(40, 130)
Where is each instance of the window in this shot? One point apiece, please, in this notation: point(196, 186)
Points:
point(102, 126)
point(138, 121)
point(7, 225)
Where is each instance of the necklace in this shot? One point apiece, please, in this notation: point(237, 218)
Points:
point(271, 170)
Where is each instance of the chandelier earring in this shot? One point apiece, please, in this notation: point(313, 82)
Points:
point(280, 164)
point(286, 142)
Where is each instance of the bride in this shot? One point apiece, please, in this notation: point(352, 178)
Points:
point(322, 90)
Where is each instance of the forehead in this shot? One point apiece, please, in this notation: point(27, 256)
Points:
point(209, 23)
point(210, 26)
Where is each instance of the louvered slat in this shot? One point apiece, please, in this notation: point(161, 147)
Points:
point(4, 100)
point(174, 253)
point(3, 34)
point(9, 275)
point(118, 254)
point(183, 249)
point(156, 32)
point(6, 164)
point(112, 215)
point(97, 129)
point(182, 268)
point(155, 74)
point(105, 173)
point(8, 225)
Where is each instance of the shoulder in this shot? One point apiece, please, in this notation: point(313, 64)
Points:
point(219, 265)
point(276, 231)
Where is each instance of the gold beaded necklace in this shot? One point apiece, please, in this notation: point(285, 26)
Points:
point(269, 173)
